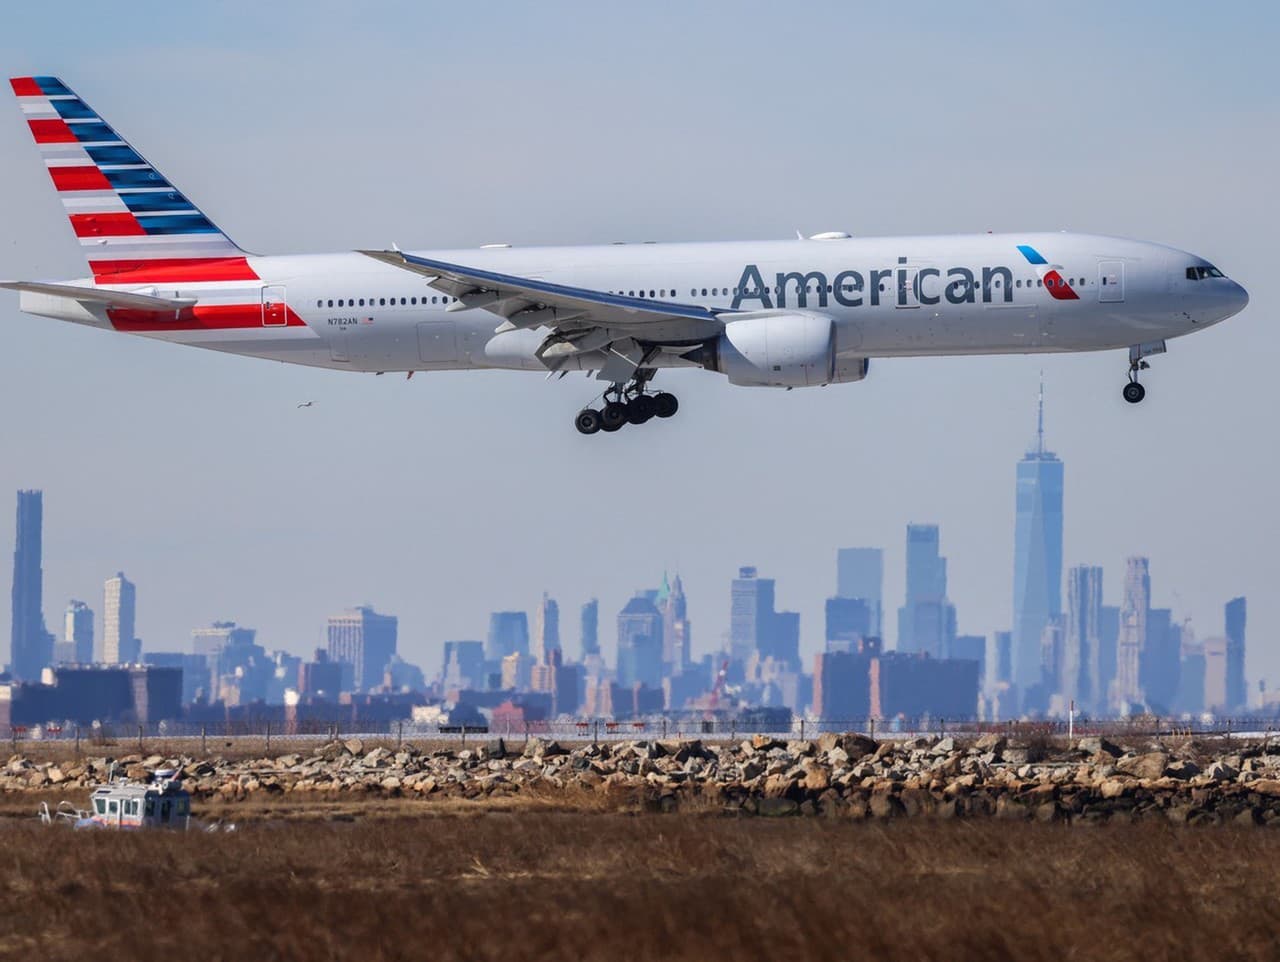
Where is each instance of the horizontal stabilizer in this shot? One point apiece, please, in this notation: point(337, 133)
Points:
point(96, 295)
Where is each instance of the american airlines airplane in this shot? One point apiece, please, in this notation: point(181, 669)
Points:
point(786, 313)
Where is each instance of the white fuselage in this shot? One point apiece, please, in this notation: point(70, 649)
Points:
point(888, 297)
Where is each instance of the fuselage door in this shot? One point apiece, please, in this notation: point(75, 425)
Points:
point(1110, 281)
point(274, 312)
point(437, 343)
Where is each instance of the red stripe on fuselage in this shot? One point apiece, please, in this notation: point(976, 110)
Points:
point(79, 178)
point(208, 317)
point(106, 225)
point(1059, 289)
point(51, 132)
point(175, 269)
point(25, 87)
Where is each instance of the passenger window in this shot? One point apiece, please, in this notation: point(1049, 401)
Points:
point(100, 806)
point(331, 303)
point(113, 807)
point(433, 300)
point(1039, 282)
point(362, 302)
point(651, 293)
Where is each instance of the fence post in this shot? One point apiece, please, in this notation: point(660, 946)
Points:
point(139, 739)
point(204, 739)
point(400, 734)
point(802, 729)
point(664, 729)
point(268, 737)
point(595, 732)
point(464, 736)
point(872, 727)
point(733, 730)
point(942, 728)
point(77, 741)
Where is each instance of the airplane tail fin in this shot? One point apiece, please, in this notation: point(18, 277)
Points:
point(133, 224)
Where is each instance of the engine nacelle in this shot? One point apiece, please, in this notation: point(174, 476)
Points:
point(775, 350)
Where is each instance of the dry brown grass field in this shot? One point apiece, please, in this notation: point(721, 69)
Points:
point(544, 885)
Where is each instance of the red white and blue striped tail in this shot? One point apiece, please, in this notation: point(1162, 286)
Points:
point(134, 225)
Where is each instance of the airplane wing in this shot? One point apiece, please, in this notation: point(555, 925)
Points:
point(97, 295)
point(580, 319)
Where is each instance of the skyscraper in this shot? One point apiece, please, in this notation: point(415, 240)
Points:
point(1037, 554)
point(363, 638)
point(1081, 668)
point(1127, 686)
point(546, 630)
point(676, 629)
point(1237, 697)
point(78, 631)
point(860, 574)
point(640, 643)
point(755, 627)
point(508, 635)
point(119, 610)
point(927, 622)
point(590, 629)
point(31, 647)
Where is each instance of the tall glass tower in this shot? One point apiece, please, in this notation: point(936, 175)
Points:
point(31, 647)
point(1037, 553)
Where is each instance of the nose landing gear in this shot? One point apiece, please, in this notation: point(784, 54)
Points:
point(1133, 391)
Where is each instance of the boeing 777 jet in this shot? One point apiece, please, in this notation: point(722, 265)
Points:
point(786, 313)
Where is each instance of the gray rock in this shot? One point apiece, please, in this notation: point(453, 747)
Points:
point(1148, 766)
point(1097, 745)
point(1222, 772)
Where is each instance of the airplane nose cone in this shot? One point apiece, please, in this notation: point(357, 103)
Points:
point(1238, 297)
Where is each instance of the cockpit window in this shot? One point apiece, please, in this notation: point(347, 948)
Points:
point(1202, 271)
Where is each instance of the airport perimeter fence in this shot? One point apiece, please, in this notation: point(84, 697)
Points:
point(169, 737)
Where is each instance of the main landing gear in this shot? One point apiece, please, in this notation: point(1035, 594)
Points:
point(1133, 391)
point(626, 404)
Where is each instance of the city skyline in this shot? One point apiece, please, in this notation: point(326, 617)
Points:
point(1103, 659)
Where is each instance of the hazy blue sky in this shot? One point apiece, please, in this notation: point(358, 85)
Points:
point(311, 127)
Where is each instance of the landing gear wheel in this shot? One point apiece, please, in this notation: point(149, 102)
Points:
point(587, 421)
point(665, 405)
point(1134, 392)
point(640, 409)
point(613, 416)
point(609, 429)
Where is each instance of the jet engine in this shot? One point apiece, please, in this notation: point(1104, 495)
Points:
point(774, 350)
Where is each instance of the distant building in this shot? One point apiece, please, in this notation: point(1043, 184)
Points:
point(1216, 695)
point(320, 677)
point(194, 668)
point(927, 620)
point(842, 683)
point(972, 648)
point(754, 625)
point(848, 621)
point(1160, 660)
point(464, 665)
point(640, 643)
point(1037, 557)
point(508, 635)
point(31, 646)
point(546, 630)
point(1003, 644)
point(860, 576)
point(78, 631)
point(1127, 687)
point(400, 675)
point(677, 631)
point(120, 645)
point(517, 671)
point(914, 685)
point(1081, 651)
point(84, 694)
point(1237, 695)
point(590, 629)
point(1191, 678)
point(366, 639)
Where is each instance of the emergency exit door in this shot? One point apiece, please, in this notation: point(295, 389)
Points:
point(274, 311)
